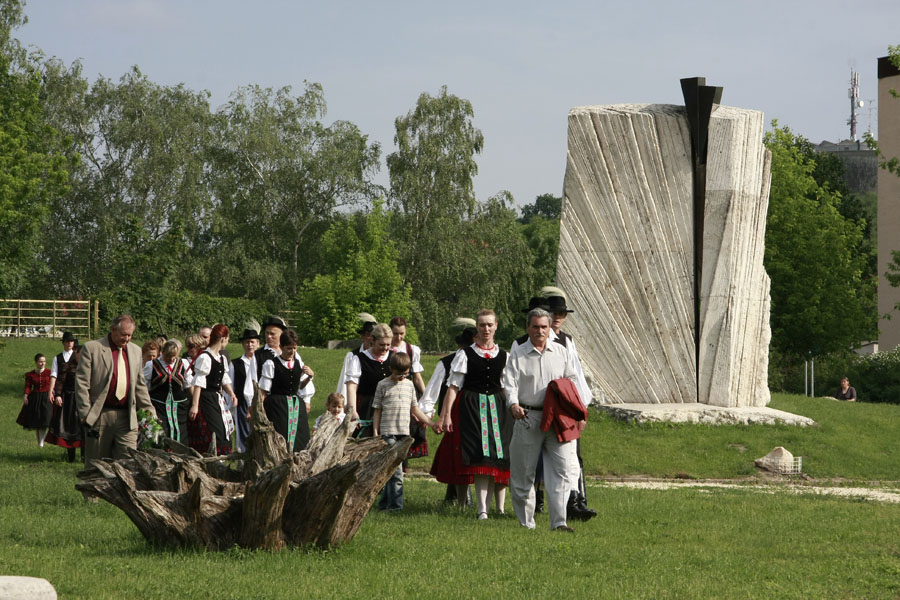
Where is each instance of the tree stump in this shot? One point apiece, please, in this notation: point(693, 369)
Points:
point(266, 497)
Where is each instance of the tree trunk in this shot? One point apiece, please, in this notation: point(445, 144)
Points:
point(264, 498)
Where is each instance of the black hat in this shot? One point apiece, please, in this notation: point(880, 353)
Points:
point(273, 320)
point(249, 334)
point(536, 302)
point(466, 336)
point(68, 336)
point(366, 328)
point(557, 304)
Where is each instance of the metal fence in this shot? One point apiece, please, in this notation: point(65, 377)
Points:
point(47, 318)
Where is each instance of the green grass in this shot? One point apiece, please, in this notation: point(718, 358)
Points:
point(685, 543)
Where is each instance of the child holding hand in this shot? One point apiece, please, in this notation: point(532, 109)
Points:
point(394, 402)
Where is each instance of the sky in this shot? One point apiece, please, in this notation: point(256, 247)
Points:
point(523, 65)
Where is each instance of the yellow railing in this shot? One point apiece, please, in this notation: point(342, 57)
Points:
point(47, 318)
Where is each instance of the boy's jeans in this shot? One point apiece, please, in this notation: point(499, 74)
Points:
point(392, 494)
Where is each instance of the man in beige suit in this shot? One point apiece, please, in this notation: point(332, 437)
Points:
point(109, 388)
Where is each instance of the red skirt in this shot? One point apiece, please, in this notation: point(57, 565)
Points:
point(447, 466)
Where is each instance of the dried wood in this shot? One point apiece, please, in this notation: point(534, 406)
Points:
point(263, 498)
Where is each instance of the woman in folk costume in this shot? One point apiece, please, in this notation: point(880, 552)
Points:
point(485, 425)
point(210, 379)
point(37, 410)
point(281, 389)
point(399, 344)
point(365, 335)
point(447, 464)
point(167, 382)
point(364, 372)
point(66, 430)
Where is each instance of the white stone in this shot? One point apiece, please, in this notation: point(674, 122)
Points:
point(695, 412)
point(25, 588)
point(779, 460)
point(626, 256)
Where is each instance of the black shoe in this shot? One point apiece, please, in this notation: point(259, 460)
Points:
point(577, 510)
point(565, 528)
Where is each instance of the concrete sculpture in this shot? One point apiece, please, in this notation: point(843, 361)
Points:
point(661, 251)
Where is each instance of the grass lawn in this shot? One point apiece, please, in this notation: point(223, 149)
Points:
point(684, 543)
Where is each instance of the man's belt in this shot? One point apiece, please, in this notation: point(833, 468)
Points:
point(527, 407)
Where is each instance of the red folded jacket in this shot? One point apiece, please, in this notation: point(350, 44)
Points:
point(563, 409)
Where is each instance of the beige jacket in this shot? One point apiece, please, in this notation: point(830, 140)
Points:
point(92, 381)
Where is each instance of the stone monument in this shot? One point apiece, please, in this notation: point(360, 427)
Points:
point(661, 250)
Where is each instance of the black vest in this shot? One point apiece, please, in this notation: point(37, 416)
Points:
point(446, 361)
point(158, 385)
point(240, 379)
point(372, 372)
point(216, 373)
point(483, 374)
point(65, 373)
point(262, 355)
point(285, 381)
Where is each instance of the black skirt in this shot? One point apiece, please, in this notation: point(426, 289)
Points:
point(278, 411)
point(38, 413)
point(176, 424)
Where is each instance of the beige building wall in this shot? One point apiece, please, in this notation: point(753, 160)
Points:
point(888, 203)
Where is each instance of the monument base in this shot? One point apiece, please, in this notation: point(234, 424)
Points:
point(703, 413)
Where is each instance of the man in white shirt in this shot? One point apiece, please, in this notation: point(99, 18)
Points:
point(529, 370)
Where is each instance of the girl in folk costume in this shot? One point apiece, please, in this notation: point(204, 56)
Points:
point(485, 425)
point(37, 409)
point(166, 378)
point(399, 344)
point(65, 429)
point(365, 335)
point(447, 464)
point(210, 379)
point(364, 372)
point(281, 389)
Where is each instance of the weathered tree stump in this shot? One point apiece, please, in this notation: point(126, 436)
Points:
point(264, 498)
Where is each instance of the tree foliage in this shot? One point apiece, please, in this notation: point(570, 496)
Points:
point(277, 171)
point(546, 206)
point(362, 275)
point(33, 170)
point(821, 298)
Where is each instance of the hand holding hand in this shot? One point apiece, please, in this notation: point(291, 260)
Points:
point(518, 412)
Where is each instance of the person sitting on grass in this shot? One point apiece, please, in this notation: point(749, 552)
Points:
point(846, 391)
point(394, 402)
point(333, 405)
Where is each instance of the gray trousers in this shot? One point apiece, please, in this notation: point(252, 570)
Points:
point(528, 441)
point(115, 435)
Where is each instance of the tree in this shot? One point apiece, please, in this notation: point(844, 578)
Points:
point(546, 206)
point(32, 167)
point(362, 276)
point(821, 299)
point(432, 194)
point(139, 195)
point(277, 172)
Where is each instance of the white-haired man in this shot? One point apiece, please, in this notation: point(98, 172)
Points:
point(529, 370)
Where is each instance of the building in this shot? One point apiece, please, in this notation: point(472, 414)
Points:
point(860, 164)
point(888, 202)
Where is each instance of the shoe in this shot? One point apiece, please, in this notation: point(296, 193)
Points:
point(577, 510)
point(482, 516)
point(565, 528)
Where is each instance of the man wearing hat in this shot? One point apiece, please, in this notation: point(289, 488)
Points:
point(243, 372)
point(559, 311)
point(65, 429)
point(273, 327)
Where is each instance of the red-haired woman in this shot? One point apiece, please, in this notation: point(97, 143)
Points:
point(210, 378)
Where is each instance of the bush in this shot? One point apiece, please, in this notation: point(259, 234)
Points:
point(876, 377)
point(177, 313)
